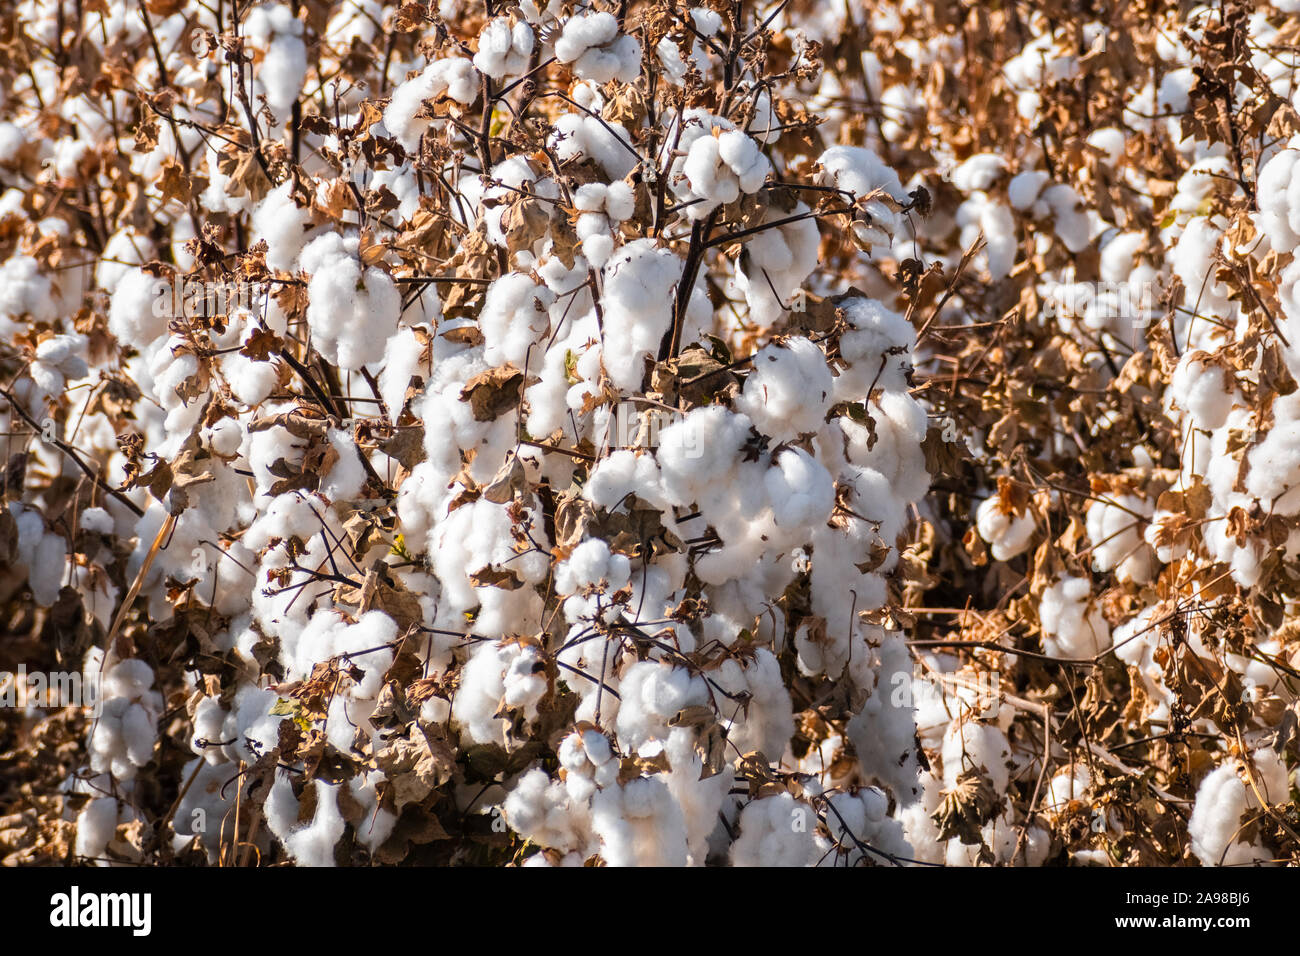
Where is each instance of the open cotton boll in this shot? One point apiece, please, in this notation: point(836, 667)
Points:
point(1070, 627)
point(514, 319)
point(313, 843)
point(975, 745)
point(492, 672)
point(283, 225)
point(801, 491)
point(504, 49)
point(860, 171)
point(639, 824)
point(638, 308)
point(122, 739)
point(1024, 189)
point(789, 390)
point(1008, 534)
point(96, 826)
point(453, 76)
point(1116, 530)
point(862, 819)
point(1218, 818)
point(58, 360)
point(696, 453)
point(652, 692)
point(591, 43)
point(776, 831)
point(347, 476)
point(275, 29)
point(981, 216)
point(352, 311)
point(979, 172)
point(1072, 223)
point(624, 473)
point(1203, 390)
point(1065, 787)
point(591, 563)
point(25, 291)
point(542, 811)
point(139, 310)
point(878, 350)
point(774, 263)
point(1278, 190)
point(719, 168)
point(1274, 476)
point(609, 145)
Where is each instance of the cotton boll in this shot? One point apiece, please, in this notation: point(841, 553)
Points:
point(274, 29)
point(1222, 801)
point(58, 360)
point(775, 262)
point(639, 824)
point(496, 674)
point(503, 48)
point(696, 453)
point(1070, 627)
point(861, 172)
point(1023, 192)
point(514, 319)
point(1274, 477)
point(1073, 226)
point(97, 520)
point(857, 819)
point(284, 227)
point(140, 308)
point(1008, 534)
point(597, 51)
point(24, 291)
point(979, 172)
point(609, 145)
point(541, 810)
point(122, 739)
point(1115, 528)
point(699, 797)
point(800, 490)
point(312, 844)
point(789, 390)
point(347, 476)
point(591, 563)
point(776, 831)
point(96, 825)
point(638, 309)
point(353, 310)
point(973, 745)
point(453, 76)
point(878, 350)
point(651, 694)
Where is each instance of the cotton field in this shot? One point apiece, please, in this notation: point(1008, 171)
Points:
point(584, 433)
